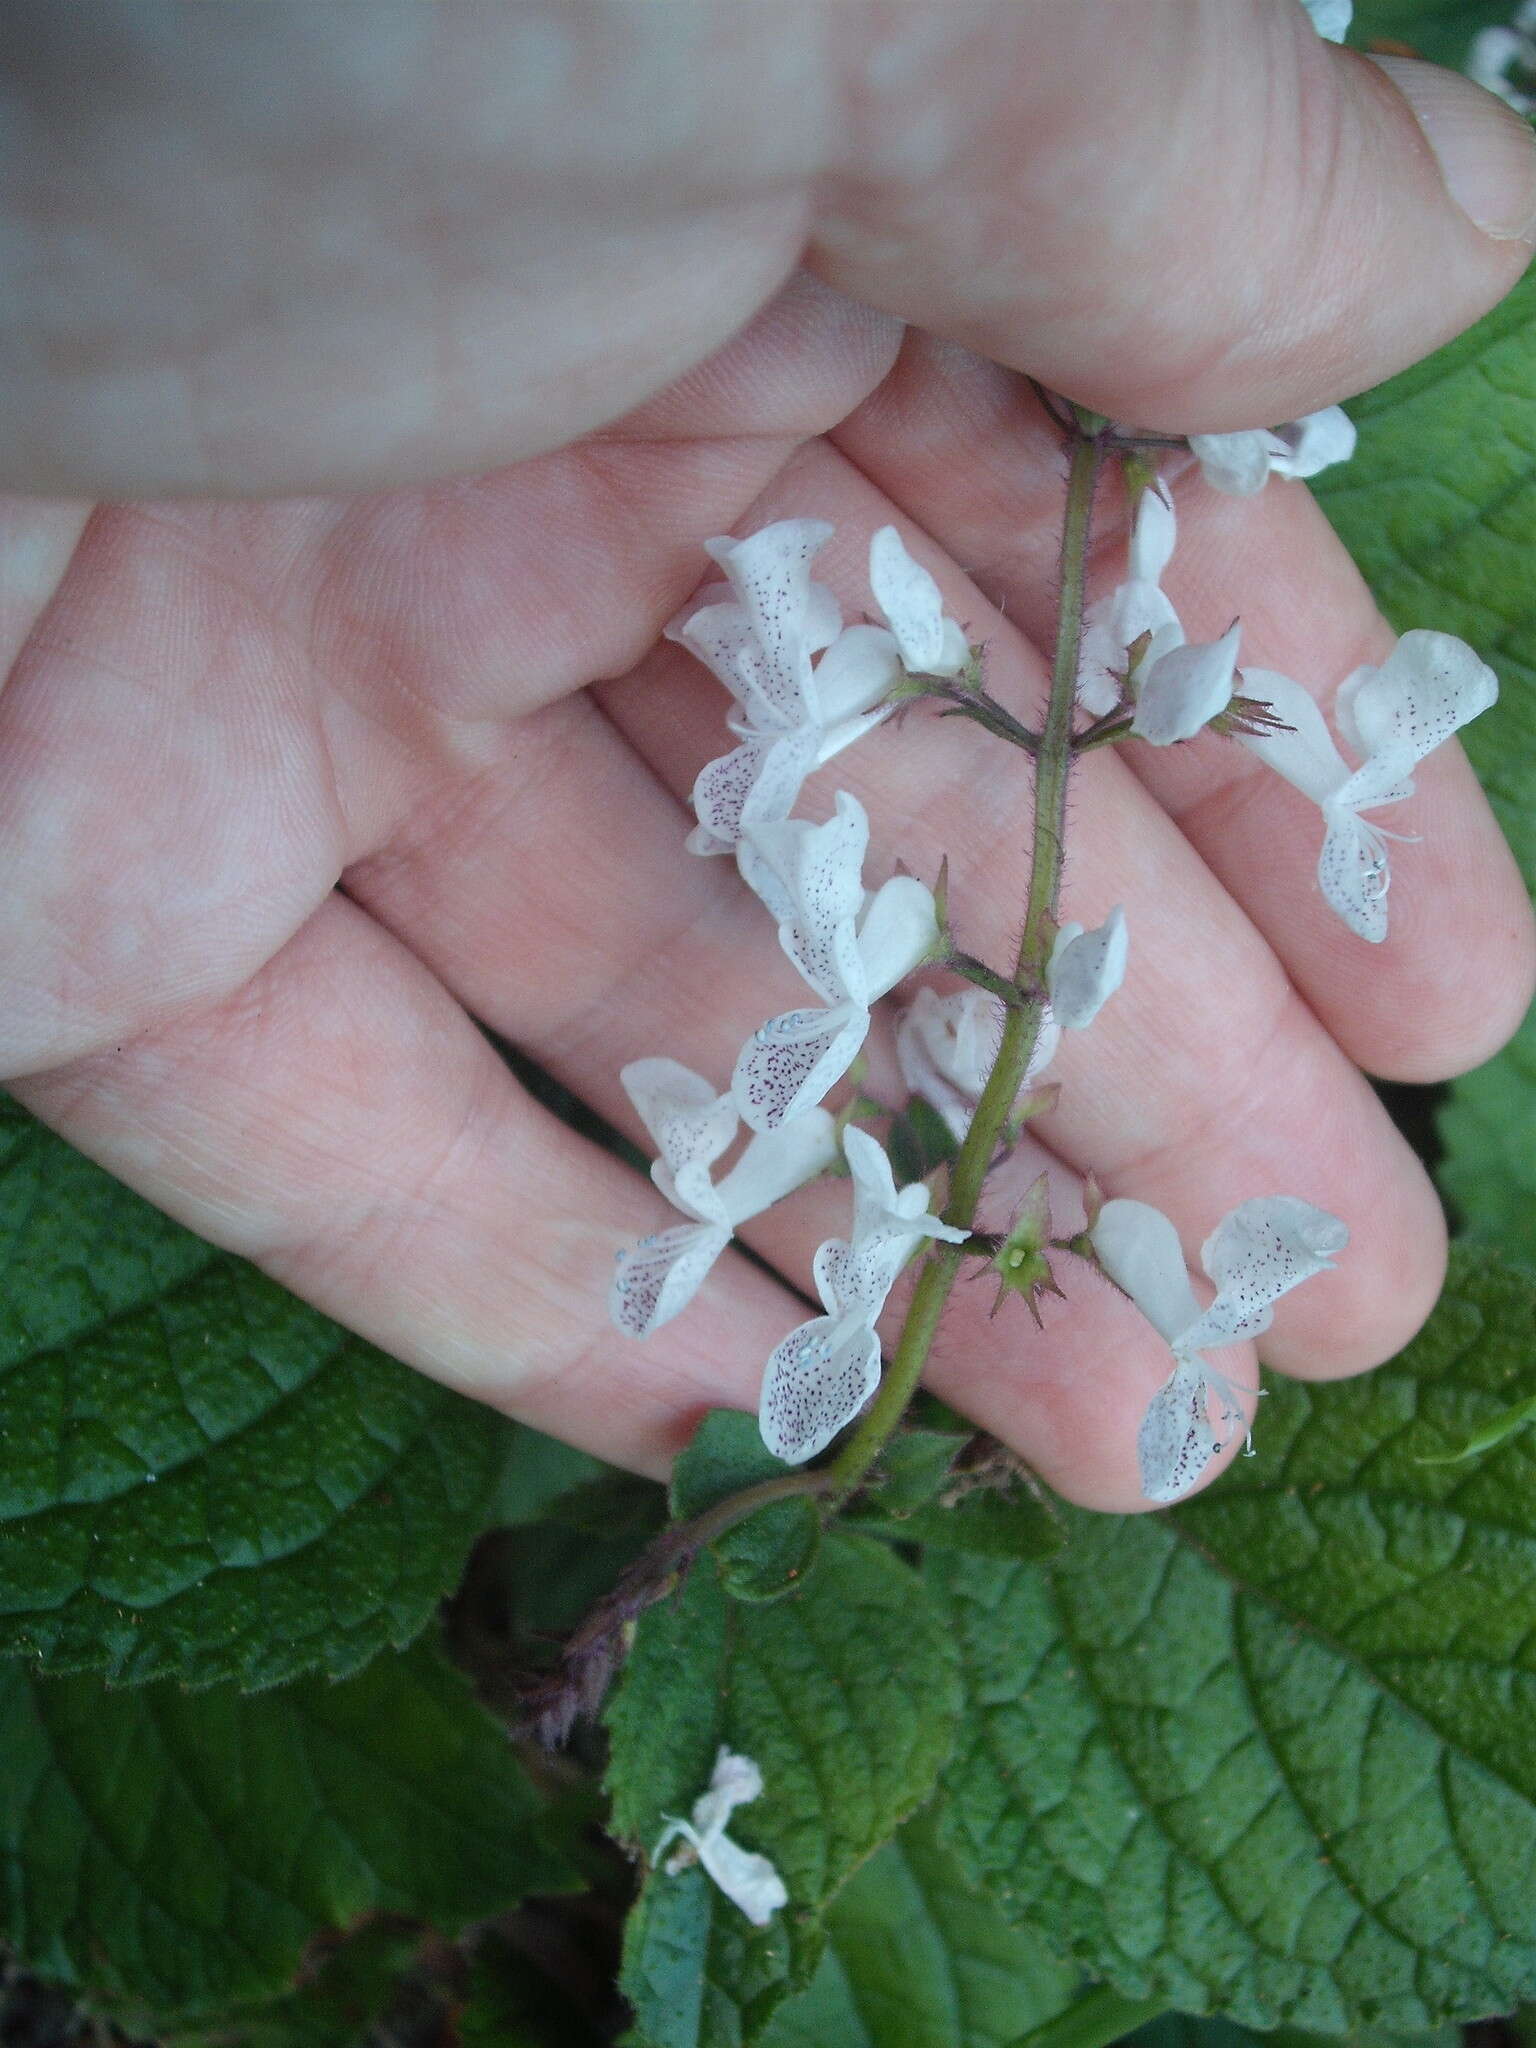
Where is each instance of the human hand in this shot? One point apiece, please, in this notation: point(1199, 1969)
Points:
point(464, 240)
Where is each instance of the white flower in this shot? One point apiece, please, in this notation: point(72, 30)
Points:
point(822, 1374)
point(692, 1127)
point(946, 1045)
point(1112, 624)
point(1180, 689)
point(851, 948)
point(1331, 18)
point(1243, 463)
point(1085, 969)
point(747, 1879)
point(1429, 686)
point(1492, 53)
point(930, 643)
point(1177, 688)
point(1256, 1254)
point(758, 633)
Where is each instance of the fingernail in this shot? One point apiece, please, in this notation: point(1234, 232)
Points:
point(1486, 152)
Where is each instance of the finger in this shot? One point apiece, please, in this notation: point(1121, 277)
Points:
point(341, 1122)
point(959, 439)
point(457, 238)
point(1187, 214)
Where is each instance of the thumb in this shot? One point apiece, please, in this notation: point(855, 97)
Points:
point(1190, 214)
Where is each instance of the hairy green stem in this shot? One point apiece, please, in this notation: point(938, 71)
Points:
point(1021, 1030)
point(1094, 2020)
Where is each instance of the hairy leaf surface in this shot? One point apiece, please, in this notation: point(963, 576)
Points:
point(1274, 1752)
point(845, 1695)
point(917, 1958)
point(176, 1851)
point(200, 1477)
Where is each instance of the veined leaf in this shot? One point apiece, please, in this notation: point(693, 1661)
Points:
point(916, 1958)
point(200, 1477)
point(175, 1851)
point(770, 1553)
point(1274, 1752)
point(845, 1696)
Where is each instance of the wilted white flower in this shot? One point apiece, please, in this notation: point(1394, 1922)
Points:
point(1181, 689)
point(1260, 1251)
point(1243, 463)
point(1177, 687)
point(822, 1374)
point(747, 1879)
point(1113, 624)
point(930, 643)
point(1085, 969)
point(758, 633)
point(850, 947)
point(1428, 687)
point(692, 1127)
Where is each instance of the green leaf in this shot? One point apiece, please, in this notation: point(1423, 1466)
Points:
point(1488, 1130)
point(199, 1476)
point(1438, 507)
point(993, 1512)
point(771, 1552)
point(1188, 2030)
point(341, 1998)
point(1440, 29)
point(535, 1472)
point(845, 1696)
point(916, 1958)
point(1012, 1524)
point(175, 1852)
point(1274, 1752)
point(913, 1466)
point(919, 1142)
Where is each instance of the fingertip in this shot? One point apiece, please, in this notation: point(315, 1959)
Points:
point(1381, 1291)
point(1485, 151)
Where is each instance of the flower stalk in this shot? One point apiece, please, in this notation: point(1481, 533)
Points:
point(1021, 1031)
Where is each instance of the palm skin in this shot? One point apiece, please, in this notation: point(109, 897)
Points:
point(293, 792)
